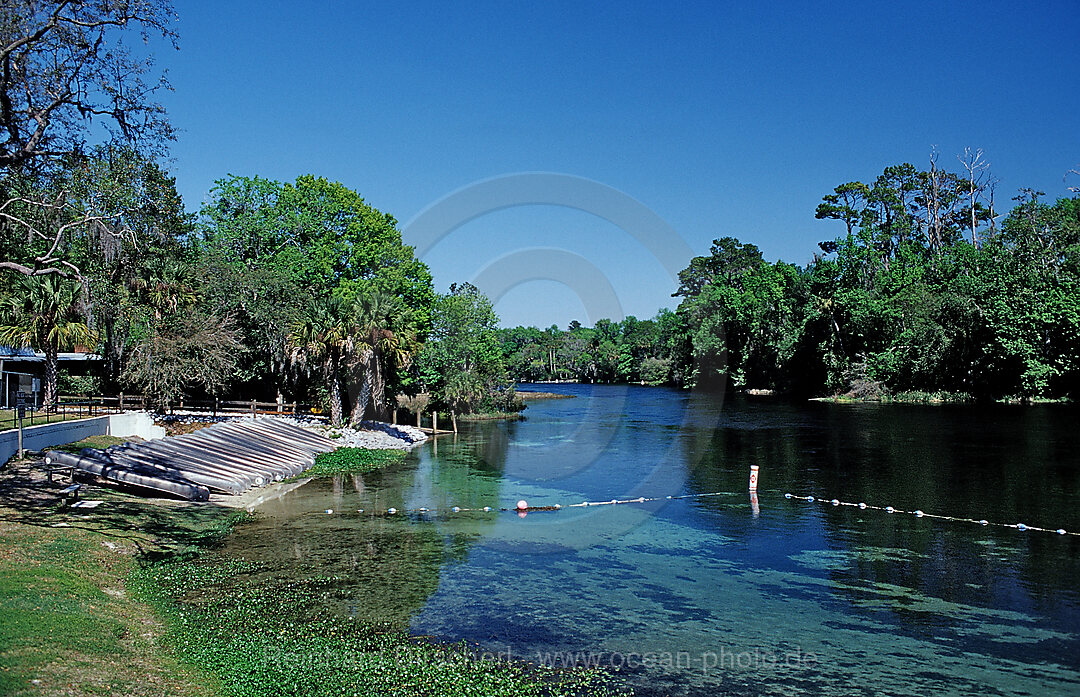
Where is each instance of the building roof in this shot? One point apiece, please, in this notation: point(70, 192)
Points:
point(28, 355)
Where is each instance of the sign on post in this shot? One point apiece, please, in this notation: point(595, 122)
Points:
point(20, 409)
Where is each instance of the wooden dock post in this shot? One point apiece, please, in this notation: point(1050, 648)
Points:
point(434, 422)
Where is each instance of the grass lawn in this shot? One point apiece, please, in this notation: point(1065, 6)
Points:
point(98, 442)
point(68, 622)
point(8, 420)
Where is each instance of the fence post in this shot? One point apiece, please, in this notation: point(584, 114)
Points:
point(121, 402)
point(434, 421)
point(253, 408)
point(295, 408)
point(393, 416)
point(215, 406)
point(418, 413)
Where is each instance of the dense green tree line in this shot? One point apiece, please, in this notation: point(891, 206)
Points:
point(927, 291)
point(652, 351)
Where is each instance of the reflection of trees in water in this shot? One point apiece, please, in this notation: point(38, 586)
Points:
point(484, 443)
point(378, 569)
point(1005, 464)
point(463, 470)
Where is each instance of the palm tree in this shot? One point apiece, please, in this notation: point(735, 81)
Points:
point(166, 285)
point(324, 339)
point(43, 314)
point(386, 341)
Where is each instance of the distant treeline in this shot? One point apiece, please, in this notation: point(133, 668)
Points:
point(927, 291)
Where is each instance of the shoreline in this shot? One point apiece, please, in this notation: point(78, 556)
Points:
point(940, 401)
point(146, 581)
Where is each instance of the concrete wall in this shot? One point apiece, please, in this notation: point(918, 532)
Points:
point(132, 423)
point(135, 423)
point(50, 435)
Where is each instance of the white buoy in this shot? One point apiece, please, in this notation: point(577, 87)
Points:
point(835, 502)
point(984, 522)
point(392, 511)
point(918, 513)
point(329, 511)
point(487, 509)
point(862, 505)
point(1061, 531)
point(456, 509)
point(753, 477)
point(890, 509)
point(522, 505)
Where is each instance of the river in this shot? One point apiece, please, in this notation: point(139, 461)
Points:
point(709, 592)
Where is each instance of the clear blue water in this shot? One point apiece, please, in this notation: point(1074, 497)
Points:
point(704, 596)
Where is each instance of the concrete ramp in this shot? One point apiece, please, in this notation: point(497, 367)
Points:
point(227, 458)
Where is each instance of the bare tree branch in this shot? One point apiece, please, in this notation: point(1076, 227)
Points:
point(63, 64)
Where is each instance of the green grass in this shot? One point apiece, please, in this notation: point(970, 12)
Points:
point(97, 442)
point(529, 395)
point(8, 420)
point(491, 416)
point(353, 461)
point(67, 622)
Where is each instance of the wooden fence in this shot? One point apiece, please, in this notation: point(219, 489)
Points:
point(75, 407)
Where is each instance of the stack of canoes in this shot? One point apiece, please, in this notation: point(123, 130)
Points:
point(227, 458)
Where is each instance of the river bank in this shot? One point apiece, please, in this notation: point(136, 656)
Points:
point(138, 597)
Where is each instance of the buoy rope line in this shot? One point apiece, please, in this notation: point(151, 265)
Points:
point(523, 507)
point(922, 514)
point(526, 508)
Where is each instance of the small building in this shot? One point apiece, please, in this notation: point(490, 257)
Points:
point(23, 370)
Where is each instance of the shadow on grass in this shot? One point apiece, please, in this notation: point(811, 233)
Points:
point(158, 528)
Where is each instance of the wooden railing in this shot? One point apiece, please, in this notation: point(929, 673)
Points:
point(76, 407)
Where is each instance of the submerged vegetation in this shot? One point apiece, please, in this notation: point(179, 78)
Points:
point(260, 635)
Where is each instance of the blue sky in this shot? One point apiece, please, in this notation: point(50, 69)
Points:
point(721, 118)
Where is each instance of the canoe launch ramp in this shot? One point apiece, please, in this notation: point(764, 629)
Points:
point(226, 458)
